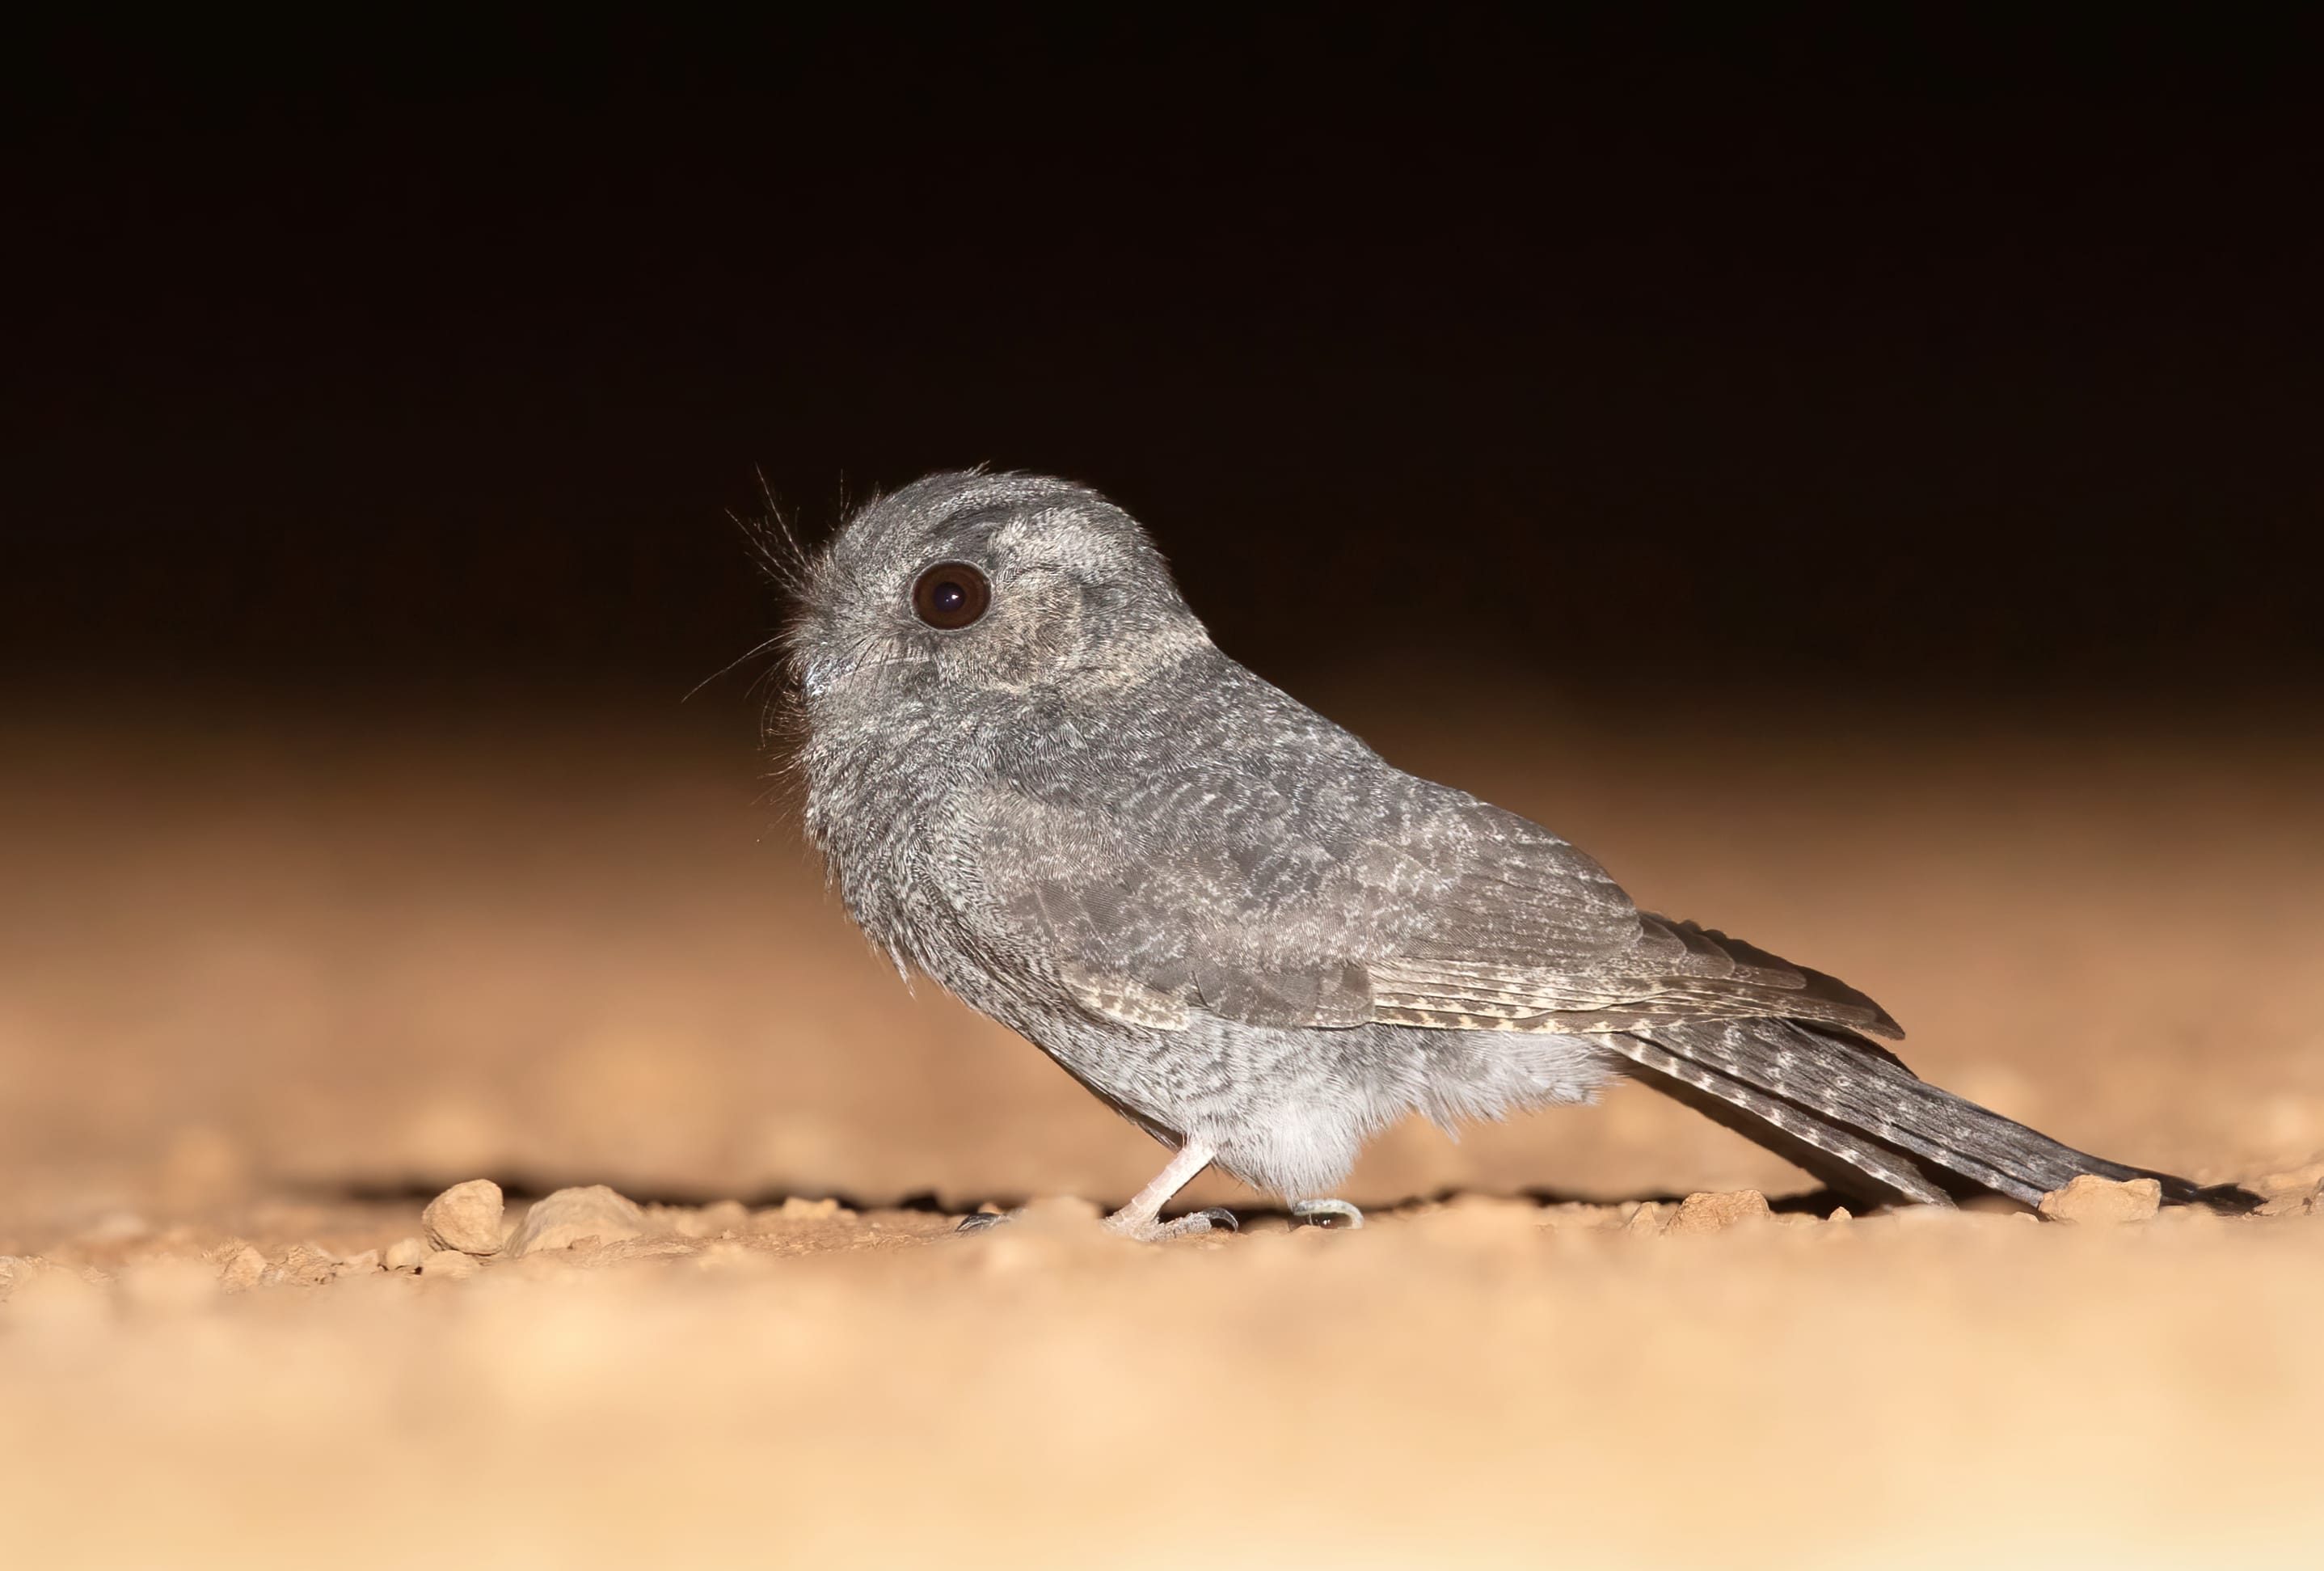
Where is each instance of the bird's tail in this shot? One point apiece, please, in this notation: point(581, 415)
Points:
point(1852, 1114)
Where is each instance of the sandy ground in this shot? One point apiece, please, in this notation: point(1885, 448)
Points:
point(267, 986)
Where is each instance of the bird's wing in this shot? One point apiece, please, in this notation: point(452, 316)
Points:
point(1368, 895)
point(1191, 890)
point(1674, 971)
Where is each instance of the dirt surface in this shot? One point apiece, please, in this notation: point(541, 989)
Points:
point(269, 987)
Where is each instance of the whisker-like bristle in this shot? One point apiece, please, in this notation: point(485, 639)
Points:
point(775, 544)
point(760, 648)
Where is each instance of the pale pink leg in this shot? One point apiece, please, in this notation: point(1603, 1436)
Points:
point(1139, 1218)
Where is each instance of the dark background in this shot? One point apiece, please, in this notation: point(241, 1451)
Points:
point(1886, 359)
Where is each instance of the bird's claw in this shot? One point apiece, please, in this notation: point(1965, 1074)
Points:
point(1324, 1213)
point(1193, 1224)
point(1217, 1219)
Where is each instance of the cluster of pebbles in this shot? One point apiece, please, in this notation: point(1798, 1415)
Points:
point(466, 1225)
point(468, 1229)
point(463, 1230)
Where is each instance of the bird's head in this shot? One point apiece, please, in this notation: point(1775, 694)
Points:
point(973, 584)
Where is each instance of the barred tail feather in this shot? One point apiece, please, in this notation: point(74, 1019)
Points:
point(1845, 1161)
point(1854, 1116)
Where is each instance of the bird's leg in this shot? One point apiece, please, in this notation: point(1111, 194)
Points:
point(1322, 1212)
point(1141, 1218)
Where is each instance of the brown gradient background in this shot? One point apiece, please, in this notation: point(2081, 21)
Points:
point(1857, 480)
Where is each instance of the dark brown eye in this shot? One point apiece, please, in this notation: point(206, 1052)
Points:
point(951, 594)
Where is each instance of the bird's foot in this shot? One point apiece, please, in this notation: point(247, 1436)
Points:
point(1336, 1214)
point(1154, 1229)
point(1151, 1230)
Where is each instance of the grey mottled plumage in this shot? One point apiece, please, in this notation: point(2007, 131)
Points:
point(1235, 923)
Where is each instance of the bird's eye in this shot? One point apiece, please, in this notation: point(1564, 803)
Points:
point(951, 594)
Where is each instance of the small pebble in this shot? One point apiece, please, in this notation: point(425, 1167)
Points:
point(723, 1216)
point(2294, 1183)
point(701, 1222)
point(1718, 1213)
point(243, 1269)
point(563, 1219)
point(306, 1264)
point(449, 1262)
point(465, 1217)
point(405, 1254)
point(2090, 1198)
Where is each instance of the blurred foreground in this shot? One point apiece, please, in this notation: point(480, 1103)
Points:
point(269, 984)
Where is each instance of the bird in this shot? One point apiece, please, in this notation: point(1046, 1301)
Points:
point(1033, 778)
